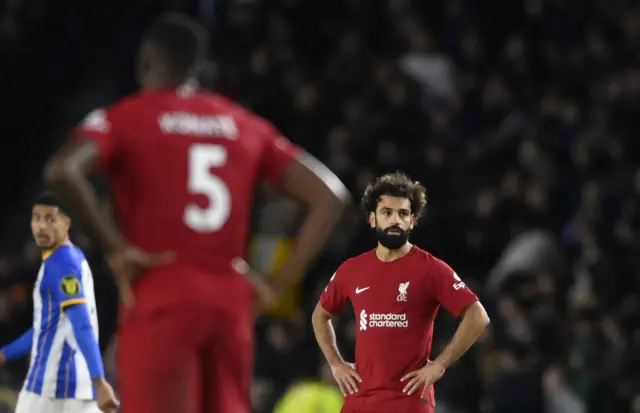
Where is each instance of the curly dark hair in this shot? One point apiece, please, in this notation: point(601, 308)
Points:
point(396, 184)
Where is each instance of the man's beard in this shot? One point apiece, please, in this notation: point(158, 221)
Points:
point(45, 242)
point(392, 241)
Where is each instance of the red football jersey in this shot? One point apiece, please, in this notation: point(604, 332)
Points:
point(183, 166)
point(395, 305)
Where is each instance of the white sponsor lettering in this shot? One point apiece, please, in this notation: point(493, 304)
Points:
point(382, 320)
point(459, 285)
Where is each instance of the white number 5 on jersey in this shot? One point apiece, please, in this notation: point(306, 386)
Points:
point(202, 158)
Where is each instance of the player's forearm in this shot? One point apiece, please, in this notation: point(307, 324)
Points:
point(19, 347)
point(326, 337)
point(70, 180)
point(473, 323)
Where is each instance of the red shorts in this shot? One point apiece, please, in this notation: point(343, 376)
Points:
point(190, 358)
point(385, 404)
point(346, 410)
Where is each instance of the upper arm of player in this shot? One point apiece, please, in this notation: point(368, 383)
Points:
point(95, 145)
point(299, 174)
point(335, 296)
point(448, 289)
point(64, 280)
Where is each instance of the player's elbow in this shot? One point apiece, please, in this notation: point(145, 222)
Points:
point(316, 185)
point(54, 171)
point(71, 162)
point(331, 197)
point(477, 315)
point(331, 202)
point(334, 201)
point(340, 196)
point(320, 315)
point(336, 192)
point(58, 170)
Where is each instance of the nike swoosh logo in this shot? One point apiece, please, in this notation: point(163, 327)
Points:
point(359, 290)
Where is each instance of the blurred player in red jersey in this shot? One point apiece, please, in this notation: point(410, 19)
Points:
point(183, 166)
point(396, 291)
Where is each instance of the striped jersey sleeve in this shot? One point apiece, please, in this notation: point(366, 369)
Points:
point(63, 278)
point(57, 367)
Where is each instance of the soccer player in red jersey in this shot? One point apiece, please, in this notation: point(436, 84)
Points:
point(183, 167)
point(396, 291)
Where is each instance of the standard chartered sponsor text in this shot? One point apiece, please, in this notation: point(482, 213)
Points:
point(388, 320)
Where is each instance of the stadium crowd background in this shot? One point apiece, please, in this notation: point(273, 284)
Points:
point(520, 117)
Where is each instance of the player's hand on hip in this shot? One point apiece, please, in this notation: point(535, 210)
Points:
point(129, 262)
point(105, 397)
point(265, 296)
point(423, 377)
point(347, 377)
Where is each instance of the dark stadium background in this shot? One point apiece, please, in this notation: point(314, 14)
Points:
point(521, 117)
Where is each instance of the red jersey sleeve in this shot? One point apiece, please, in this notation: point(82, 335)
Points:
point(334, 297)
point(278, 154)
point(101, 127)
point(448, 289)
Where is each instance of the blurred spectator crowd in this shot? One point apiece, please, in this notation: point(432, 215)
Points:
point(520, 117)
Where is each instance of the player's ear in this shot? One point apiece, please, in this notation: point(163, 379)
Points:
point(372, 219)
point(413, 221)
point(67, 222)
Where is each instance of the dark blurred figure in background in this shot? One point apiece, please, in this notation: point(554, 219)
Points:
point(520, 117)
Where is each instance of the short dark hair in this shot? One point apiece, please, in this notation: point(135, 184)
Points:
point(396, 184)
point(180, 40)
point(49, 198)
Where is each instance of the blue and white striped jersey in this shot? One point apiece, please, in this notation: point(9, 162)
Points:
point(57, 368)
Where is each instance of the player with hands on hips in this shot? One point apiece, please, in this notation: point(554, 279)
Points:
point(184, 166)
point(396, 291)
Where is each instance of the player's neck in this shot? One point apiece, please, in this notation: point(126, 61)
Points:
point(48, 251)
point(160, 86)
point(163, 83)
point(384, 254)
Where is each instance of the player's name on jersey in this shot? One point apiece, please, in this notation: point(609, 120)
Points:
point(184, 123)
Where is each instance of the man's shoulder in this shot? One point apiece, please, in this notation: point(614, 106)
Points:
point(68, 253)
point(243, 116)
point(101, 119)
point(205, 102)
point(426, 258)
point(126, 103)
point(355, 264)
point(65, 258)
point(223, 103)
point(430, 266)
point(146, 100)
